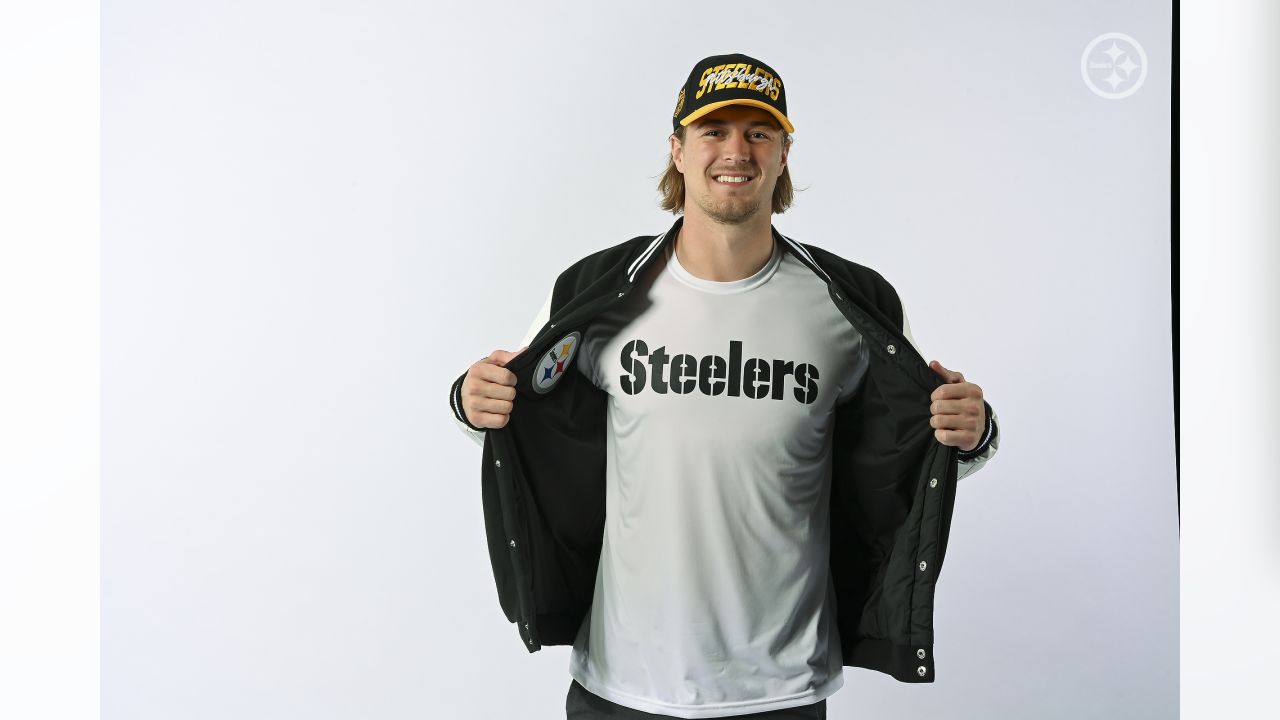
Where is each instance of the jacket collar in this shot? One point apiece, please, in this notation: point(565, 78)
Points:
point(655, 247)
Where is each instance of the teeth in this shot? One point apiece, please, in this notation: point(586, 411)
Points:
point(732, 178)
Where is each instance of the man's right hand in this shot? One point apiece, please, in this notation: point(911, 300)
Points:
point(489, 390)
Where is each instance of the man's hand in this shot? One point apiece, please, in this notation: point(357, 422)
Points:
point(959, 416)
point(489, 390)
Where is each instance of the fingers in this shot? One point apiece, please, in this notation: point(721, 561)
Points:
point(968, 423)
point(963, 439)
point(956, 391)
point(488, 420)
point(502, 357)
point(488, 391)
point(482, 389)
point(491, 368)
point(965, 406)
point(956, 409)
point(487, 404)
point(488, 412)
point(950, 376)
point(487, 371)
point(962, 430)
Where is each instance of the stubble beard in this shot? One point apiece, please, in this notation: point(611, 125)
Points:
point(731, 211)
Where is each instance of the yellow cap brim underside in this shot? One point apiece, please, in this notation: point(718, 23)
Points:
point(786, 124)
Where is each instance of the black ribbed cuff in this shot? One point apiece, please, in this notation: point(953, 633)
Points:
point(455, 402)
point(987, 437)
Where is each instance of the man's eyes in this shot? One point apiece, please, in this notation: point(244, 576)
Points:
point(757, 135)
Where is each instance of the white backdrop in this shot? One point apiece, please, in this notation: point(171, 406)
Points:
point(316, 213)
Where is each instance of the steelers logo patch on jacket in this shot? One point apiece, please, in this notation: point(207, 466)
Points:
point(555, 362)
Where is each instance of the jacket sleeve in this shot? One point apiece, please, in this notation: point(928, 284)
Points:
point(970, 461)
point(455, 391)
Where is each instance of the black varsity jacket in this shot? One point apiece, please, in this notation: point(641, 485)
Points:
point(892, 493)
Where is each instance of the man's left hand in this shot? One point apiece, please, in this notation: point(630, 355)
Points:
point(959, 415)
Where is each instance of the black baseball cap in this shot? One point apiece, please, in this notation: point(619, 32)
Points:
point(736, 79)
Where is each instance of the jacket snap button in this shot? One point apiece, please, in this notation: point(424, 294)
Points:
point(621, 294)
point(922, 565)
point(552, 325)
point(920, 653)
point(919, 671)
point(531, 642)
point(497, 463)
point(526, 627)
point(892, 350)
point(513, 543)
point(933, 482)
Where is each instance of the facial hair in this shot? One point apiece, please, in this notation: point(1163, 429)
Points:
point(731, 211)
point(735, 211)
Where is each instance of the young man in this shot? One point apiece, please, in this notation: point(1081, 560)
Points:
point(723, 471)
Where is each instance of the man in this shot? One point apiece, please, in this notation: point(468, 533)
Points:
point(728, 472)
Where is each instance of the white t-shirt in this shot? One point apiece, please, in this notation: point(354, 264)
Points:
point(713, 595)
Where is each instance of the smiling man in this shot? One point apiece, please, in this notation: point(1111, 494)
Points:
point(731, 161)
point(723, 471)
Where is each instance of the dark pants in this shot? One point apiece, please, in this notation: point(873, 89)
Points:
point(582, 705)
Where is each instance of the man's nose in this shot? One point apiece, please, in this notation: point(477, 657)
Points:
point(735, 148)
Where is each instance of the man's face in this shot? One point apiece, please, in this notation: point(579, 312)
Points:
point(731, 159)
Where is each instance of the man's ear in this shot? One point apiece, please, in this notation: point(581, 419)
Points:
point(786, 148)
point(677, 153)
